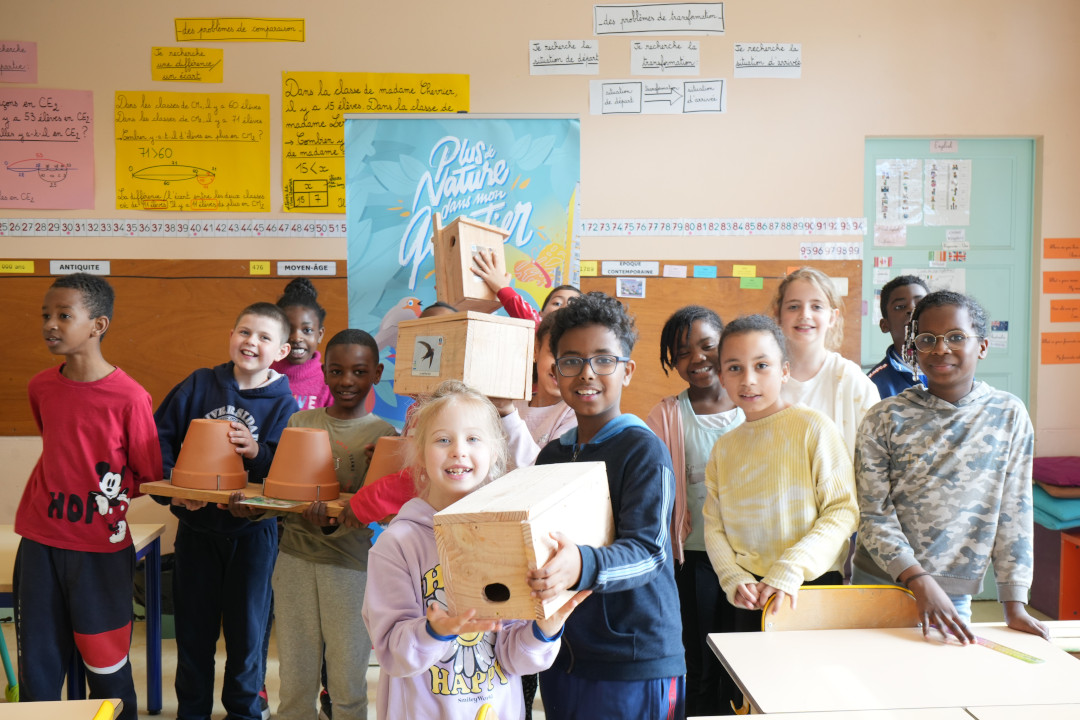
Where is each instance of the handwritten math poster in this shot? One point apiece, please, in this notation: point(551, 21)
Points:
point(665, 57)
point(519, 174)
point(693, 18)
point(314, 105)
point(657, 97)
point(46, 148)
point(18, 61)
point(239, 29)
point(192, 151)
point(564, 57)
point(187, 64)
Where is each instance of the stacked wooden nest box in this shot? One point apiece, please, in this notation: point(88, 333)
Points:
point(455, 247)
point(490, 353)
point(491, 538)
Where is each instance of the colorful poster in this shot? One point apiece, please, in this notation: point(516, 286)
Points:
point(46, 148)
point(192, 151)
point(520, 174)
point(899, 192)
point(313, 117)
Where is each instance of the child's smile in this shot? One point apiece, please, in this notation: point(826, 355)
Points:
point(306, 333)
point(697, 360)
point(457, 456)
point(594, 397)
point(754, 371)
point(350, 371)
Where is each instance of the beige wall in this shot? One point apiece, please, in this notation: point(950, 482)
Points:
point(785, 148)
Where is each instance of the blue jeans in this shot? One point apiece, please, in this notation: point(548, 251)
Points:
point(221, 583)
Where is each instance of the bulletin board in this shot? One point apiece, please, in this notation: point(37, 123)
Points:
point(170, 318)
point(663, 296)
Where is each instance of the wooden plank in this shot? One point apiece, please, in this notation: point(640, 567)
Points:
point(197, 300)
point(164, 488)
point(723, 295)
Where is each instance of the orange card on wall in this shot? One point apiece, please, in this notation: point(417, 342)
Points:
point(1064, 311)
point(1061, 248)
point(1062, 281)
point(1060, 348)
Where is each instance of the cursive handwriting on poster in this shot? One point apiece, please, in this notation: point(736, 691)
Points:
point(18, 61)
point(314, 105)
point(704, 18)
point(1064, 311)
point(1061, 282)
point(187, 64)
point(192, 151)
point(1061, 248)
point(665, 57)
point(239, 29)
point(768, 60)
point(564, 57)
point(1061, 348)
point(46, 148)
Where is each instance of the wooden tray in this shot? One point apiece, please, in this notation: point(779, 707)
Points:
point(165, 488)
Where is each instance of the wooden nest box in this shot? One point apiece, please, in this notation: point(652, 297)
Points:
point(455, 246)
point(491, 538)
point(490, 353)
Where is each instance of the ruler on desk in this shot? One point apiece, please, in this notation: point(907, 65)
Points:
point(1006, 650)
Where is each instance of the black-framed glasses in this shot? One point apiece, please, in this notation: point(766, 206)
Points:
point(925, 342)
point(571, 366)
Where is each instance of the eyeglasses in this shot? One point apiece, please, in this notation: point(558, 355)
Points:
point(926, 342)
point(600, 364)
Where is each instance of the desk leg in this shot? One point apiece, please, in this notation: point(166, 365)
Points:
point(153, 627)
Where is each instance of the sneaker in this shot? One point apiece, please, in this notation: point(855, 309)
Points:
point(264, 703)
point(326, 708)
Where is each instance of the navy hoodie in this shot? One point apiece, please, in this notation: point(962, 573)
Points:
point(214, 393)
point(631, 627)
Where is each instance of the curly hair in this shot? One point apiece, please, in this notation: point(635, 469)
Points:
point(301, 293)
point(352, 336)
point(594, 308)
point(678, 327)
point(942, 298)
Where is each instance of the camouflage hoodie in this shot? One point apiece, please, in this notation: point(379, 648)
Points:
point(947, 486)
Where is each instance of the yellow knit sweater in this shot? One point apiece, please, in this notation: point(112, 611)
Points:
point(781, 501)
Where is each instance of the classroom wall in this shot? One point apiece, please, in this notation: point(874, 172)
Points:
point(785, 148)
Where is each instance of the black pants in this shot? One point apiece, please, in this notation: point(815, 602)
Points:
point(704, 611)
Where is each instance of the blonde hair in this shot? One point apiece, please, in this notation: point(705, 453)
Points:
point(828, 288)
point(451, 392)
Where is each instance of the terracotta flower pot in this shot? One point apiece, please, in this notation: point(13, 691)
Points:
point(207, 460)
point(303, 467)
point(391, 455)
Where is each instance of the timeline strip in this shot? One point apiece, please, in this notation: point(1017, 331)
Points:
point(711, 227)
point(124, 227)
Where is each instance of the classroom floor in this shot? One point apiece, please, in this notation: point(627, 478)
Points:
point(982, 611)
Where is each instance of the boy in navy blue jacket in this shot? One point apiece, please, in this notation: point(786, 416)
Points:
point(223, 563)
point(622, 653)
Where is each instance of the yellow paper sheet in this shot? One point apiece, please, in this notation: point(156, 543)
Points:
point(192, 151)
point(313, 124)
point(187, 64)
point(741, 271)
point(239, 29)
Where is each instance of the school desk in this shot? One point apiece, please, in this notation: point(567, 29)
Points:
point(147, 539)
point(893, 669)
point(55, 710)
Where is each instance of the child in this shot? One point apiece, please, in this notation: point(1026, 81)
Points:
point(303, 365)
point(690, 423)
point(531, 424)
point(781, 503)
point(433, 664)
point(484, 267)
point(807, 308)
point(623, 655)
point(321, 571)
point(898, 298)
point(944, 476)
point(75, 564)
point(221, 581)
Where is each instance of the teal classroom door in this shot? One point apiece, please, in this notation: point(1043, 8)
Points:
point(995, 267)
